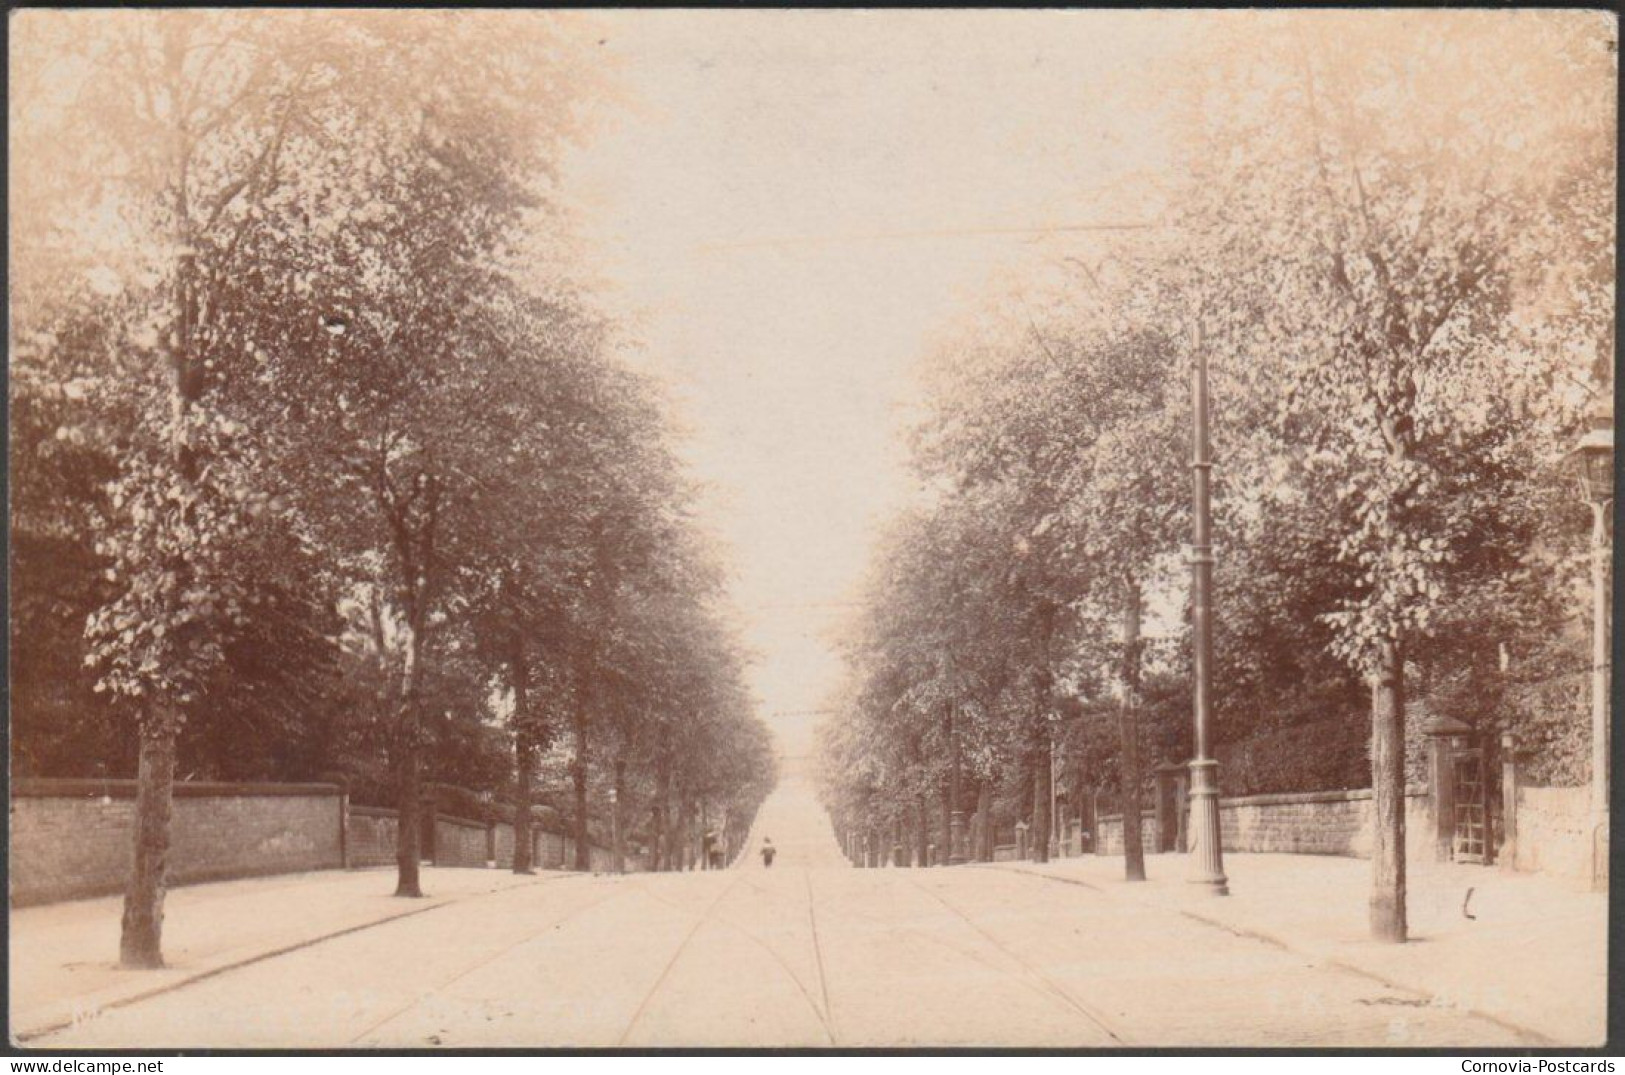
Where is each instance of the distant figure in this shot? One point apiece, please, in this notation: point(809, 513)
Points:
point(708, 858)
point(768, 851)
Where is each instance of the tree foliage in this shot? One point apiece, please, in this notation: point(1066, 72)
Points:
point(1392, 235)
point(317, 476)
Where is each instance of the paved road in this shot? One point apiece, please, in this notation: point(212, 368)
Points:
point(807, 953)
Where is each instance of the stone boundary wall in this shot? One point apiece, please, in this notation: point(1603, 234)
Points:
point(1554, 831)
point(72, 838)
point(1318, 823)
point(1302, 823)
point(459, 841)
point(1109, 833)
point(370, 838)
point(550, 848)
point(503, 844)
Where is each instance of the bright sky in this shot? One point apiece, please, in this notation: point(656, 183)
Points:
point(759, 208)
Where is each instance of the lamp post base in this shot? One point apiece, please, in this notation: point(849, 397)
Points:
point(1206, 862)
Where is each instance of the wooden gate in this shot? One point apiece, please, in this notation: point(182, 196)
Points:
point(1471, 820)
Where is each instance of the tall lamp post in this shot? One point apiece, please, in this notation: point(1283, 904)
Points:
point(1206, 854)
point(1594, 459)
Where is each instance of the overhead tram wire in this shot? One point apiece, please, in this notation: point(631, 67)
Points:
point(924, 233)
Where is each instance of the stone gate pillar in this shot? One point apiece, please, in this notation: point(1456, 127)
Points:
point(1167, 806)
point(1507, 856)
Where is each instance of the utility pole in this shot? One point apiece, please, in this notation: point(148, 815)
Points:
point(1595, 459)
point(956, 807)
point(1206, 854)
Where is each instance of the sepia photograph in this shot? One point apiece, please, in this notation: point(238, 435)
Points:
point(822, 530)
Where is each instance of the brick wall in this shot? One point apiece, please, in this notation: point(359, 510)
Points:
point(72, 838)
point(1554, 831)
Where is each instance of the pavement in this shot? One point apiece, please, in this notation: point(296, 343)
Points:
point(1528, 951)
point(64, 956)
point(812, 953)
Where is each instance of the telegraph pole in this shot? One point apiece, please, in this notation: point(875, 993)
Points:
point(1206, 854)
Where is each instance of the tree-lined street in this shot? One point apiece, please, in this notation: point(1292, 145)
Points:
point(814, 953)
point(483, 441)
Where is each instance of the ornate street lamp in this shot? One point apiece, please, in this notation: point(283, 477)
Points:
point(1206, 853)
point(1593, 461)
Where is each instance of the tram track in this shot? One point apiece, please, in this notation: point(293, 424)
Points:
point(821, 1013)
point(1051, 987)
point(677, 954)
point(818, 958)
point(484, 962)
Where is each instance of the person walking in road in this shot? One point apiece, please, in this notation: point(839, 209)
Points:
point(768, 851)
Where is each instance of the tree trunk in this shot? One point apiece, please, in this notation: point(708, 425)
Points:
point(1128, 730)
point(408, 793)
point(701, 852)
point(970, 795)
point(142, 926)
point(578, 773)
point(984, 827)
point(523, 758)
point(659, 854)
point(409, 826)
point(674, 827)
point(1041, 790)
point(1388, 796)
point(684, 837)
point(618, 846)
point(522, 842)
point(922, 832)
point(142, 929)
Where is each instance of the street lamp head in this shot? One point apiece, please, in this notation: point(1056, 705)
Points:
point(1593, 459)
